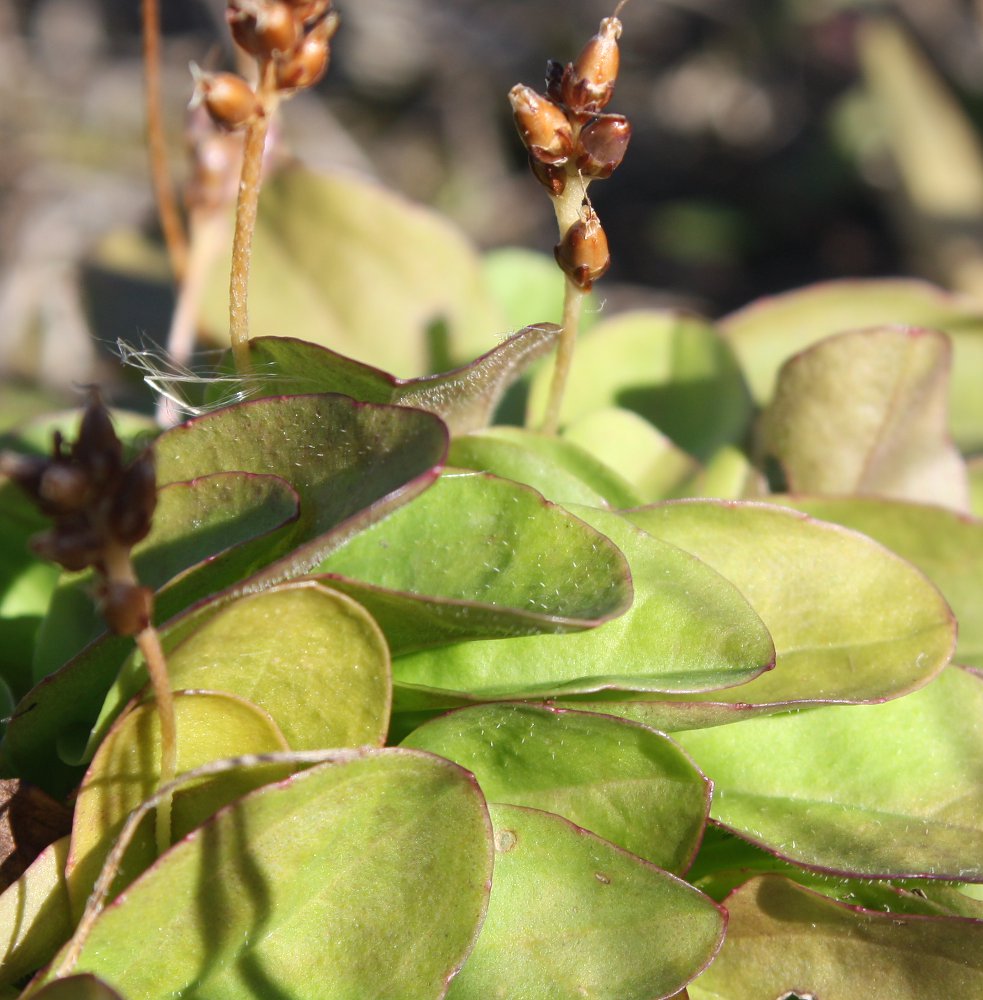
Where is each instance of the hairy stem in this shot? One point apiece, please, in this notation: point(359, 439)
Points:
point(167, 207)
point(250, 182)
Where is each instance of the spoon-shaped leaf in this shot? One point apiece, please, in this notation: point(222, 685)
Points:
point(465, 398)
point(782, 939)
point(311, 657)
point(309, 910)
point(125, 771)
point(34, 914)
point(867, 412)
point(624, 782)
point(851, 621)
point(638, 450)
point(768, 332)
point(888, 790)
point(559, 469)
point(670, 367)
point(947, 547)
point(479, 556)
point(339, 260)
point(572, 915)
point(84, 987)
point(687, 629)
point(351, 463)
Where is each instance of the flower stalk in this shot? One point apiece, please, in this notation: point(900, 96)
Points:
point(571, 141)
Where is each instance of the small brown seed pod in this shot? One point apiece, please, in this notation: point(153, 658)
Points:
point(278, 29)
point(588, 82)
point(230, 101)
point(135, 500)
point(601, 145)
point(551, 176)
point(308, 61)
point(583, 252)
point(543, 127)
point(64, 488)
point(97, 449)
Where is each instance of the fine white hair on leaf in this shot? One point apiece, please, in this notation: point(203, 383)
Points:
point(176, 382)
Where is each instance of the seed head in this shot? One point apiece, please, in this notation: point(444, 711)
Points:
point(588, 82)
point(230, 101)
point(543, 127)
point(583, 252)
point(601, 145)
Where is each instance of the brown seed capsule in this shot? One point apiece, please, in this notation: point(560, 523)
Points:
point(552, 177)
point(135, 500)
point(583, 252)
point(278, 29)
point(73, 543)
point(588, 83)
point(126, 607)
point(308, 62)
point(309, 12)
point(230, 101)
point(64, 488)
point(242, 25)
point(25, 470)
point(542, 125)
point(97, 449)
point(601, 145)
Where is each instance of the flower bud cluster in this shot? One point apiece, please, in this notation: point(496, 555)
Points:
point(570, 138)
point(290, 38)
point(100, 507)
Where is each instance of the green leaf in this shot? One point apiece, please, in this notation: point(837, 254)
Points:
point(688, 629)
point(851, 621)
point(479, 556)
point(464, 398)
point(885, 791)
point(340, 261)
point(197, 543)
point(975, 469)
point(34, 914)
point(782, 938)
point(528, 287)
point(77, 988)
point(312, 658)
point(769, 331)
point(628, 443)
point(559, 469)
point(728, 475)
point(624, 782)
point(26, 584)
point(335, 853)
point(351, 463)
point(867, 412)
point(670, 367)
point(947, 547)
point(571, 915)
point(126, 770)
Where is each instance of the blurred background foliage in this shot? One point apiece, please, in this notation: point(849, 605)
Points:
point(776, 143)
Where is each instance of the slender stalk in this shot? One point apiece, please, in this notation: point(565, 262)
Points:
point(153, 653)
point(250, 182)
point(573, 300)
point(119, 569)
point(567, 208)
point(167, 207)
